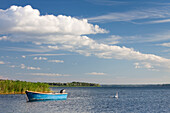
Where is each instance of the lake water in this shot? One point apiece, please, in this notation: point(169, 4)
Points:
point(94, 100)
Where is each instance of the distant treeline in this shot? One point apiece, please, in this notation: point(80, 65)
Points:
point(19, 87)
point(138, 86)
point(74, 84)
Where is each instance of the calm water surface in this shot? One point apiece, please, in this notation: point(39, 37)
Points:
point(94, 100)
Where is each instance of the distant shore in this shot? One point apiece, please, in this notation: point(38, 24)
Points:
point(138, 85)
point(74, 84)
point(19, 87)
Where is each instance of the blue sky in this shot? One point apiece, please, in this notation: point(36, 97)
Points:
point(99, 41)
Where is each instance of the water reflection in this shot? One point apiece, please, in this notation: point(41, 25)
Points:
point(45, 100)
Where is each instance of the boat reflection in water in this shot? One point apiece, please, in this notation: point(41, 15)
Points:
point(39, 96)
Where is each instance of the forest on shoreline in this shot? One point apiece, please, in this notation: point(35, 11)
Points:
point(74, 84)
point(19, 87)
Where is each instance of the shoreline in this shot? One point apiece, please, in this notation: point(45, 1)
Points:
point(75, 86)
point(11, 93)
point(45, 92)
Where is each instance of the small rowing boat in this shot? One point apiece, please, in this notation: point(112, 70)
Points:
point(34, 96)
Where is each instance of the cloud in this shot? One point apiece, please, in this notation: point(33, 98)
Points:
point(87, 46)
point(158, 21)
point(156, 37)
point(45, 74)
point(12, 66)
point(26, 20)
point(129, 16)
point(3, 37)
point(47, 54)
point(165, 44)
point(56, 61)
point(40, 58)
point(33, 68)
point(106, 2)
point(113, 39)
point(25, 24)
point(23, 56)
point(145, 65)
point(37, 49)
point(22, 66)
point(44, 58)
point(2, 62)
point(95, 73)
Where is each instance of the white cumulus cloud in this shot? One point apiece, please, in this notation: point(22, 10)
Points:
point(27, 20)
point(25, 24)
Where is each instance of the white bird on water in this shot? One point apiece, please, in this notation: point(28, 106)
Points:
point(116, 96)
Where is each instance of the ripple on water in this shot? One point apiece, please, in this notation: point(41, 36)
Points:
point(94, 100)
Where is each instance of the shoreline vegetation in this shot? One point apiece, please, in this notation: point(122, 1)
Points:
point(19, 87)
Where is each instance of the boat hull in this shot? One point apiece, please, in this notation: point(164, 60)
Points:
point(34, 96)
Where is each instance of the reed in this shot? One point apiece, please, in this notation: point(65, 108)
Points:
point(19, 87)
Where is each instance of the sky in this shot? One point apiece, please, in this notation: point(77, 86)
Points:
point(98, 41)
